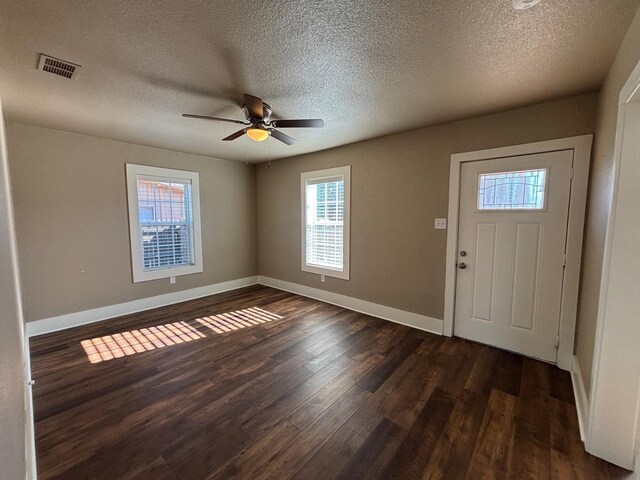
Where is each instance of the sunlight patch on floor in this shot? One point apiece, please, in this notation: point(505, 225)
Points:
point(101, 349)
point(229, 322)
point(118, 345)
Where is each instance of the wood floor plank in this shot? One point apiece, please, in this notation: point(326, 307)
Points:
point(403, 393)
point(244, 464)
point(493, 448)
point(566, 460)
point(355, 323)
point(383, 342)
point(293, 387)
point(373, 456)
point(327, 462)
point(508, 373)
point(482, 375)
point(412, 457)
point(330, 393)
point(560, 386)
point(299, 451)
point(308, 341)
point(415, 387)
point(286, 404)
point(459, 356)
point(377, 376)
point(453, 453)
point(531, 449)
point(324, 358)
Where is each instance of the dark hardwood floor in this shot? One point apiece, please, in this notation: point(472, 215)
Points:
point(321, 392)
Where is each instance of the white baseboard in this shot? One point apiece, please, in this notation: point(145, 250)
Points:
point(62, 322)
point(30, 436)
point(414, 320)
point(579, 392)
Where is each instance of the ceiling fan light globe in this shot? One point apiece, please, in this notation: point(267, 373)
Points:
point(257, 134)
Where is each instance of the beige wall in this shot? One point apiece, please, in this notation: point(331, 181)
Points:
point(12, 373)
point(72, 225)
point(399, 185)
point(599, 197)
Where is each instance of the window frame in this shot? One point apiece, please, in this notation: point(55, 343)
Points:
point(133, 173)
point(317, 176)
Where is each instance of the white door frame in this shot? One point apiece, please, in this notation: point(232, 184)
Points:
point(613, 429)
point(10, 250)
point(581, 146)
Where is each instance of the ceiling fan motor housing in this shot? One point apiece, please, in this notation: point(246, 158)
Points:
point(258, 124)
point(266, 110)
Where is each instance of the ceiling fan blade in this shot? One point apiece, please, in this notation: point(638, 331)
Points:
point(233, 136)
point(312, 122)
point(282, 137)
point(218, 119)
point(254, 106)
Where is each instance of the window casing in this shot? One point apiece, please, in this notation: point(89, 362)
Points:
point(164, 222)
point(326, 206)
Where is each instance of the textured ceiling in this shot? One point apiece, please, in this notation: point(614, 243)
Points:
point(368, 68)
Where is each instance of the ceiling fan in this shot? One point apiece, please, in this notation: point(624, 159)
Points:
point(259, 123)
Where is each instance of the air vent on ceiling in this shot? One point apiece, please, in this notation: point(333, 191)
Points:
point(57, 66)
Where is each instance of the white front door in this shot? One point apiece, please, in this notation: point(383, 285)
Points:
point(511, 249)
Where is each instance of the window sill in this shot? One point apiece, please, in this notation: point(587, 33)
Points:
point(327, 272)
point(141, 276)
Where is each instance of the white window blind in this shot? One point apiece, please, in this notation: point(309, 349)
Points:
point(325, 224)
point(166, 223)
point(164, 220)
point(325, 221)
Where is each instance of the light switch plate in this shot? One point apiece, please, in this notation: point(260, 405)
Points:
point(440, 224)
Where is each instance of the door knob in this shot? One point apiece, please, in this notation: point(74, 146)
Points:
point(462, 265)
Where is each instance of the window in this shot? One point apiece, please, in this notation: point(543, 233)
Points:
point(164, 222)
point(520, 190)
point(325, 221)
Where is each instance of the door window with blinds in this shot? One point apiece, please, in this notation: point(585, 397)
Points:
point(164, 221)
point(325, 221)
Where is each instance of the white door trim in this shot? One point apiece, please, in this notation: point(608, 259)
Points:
point(581, 146)
point(603, 440)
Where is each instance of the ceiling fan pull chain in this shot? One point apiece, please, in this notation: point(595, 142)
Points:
point(269, 145)
point(246, 155)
